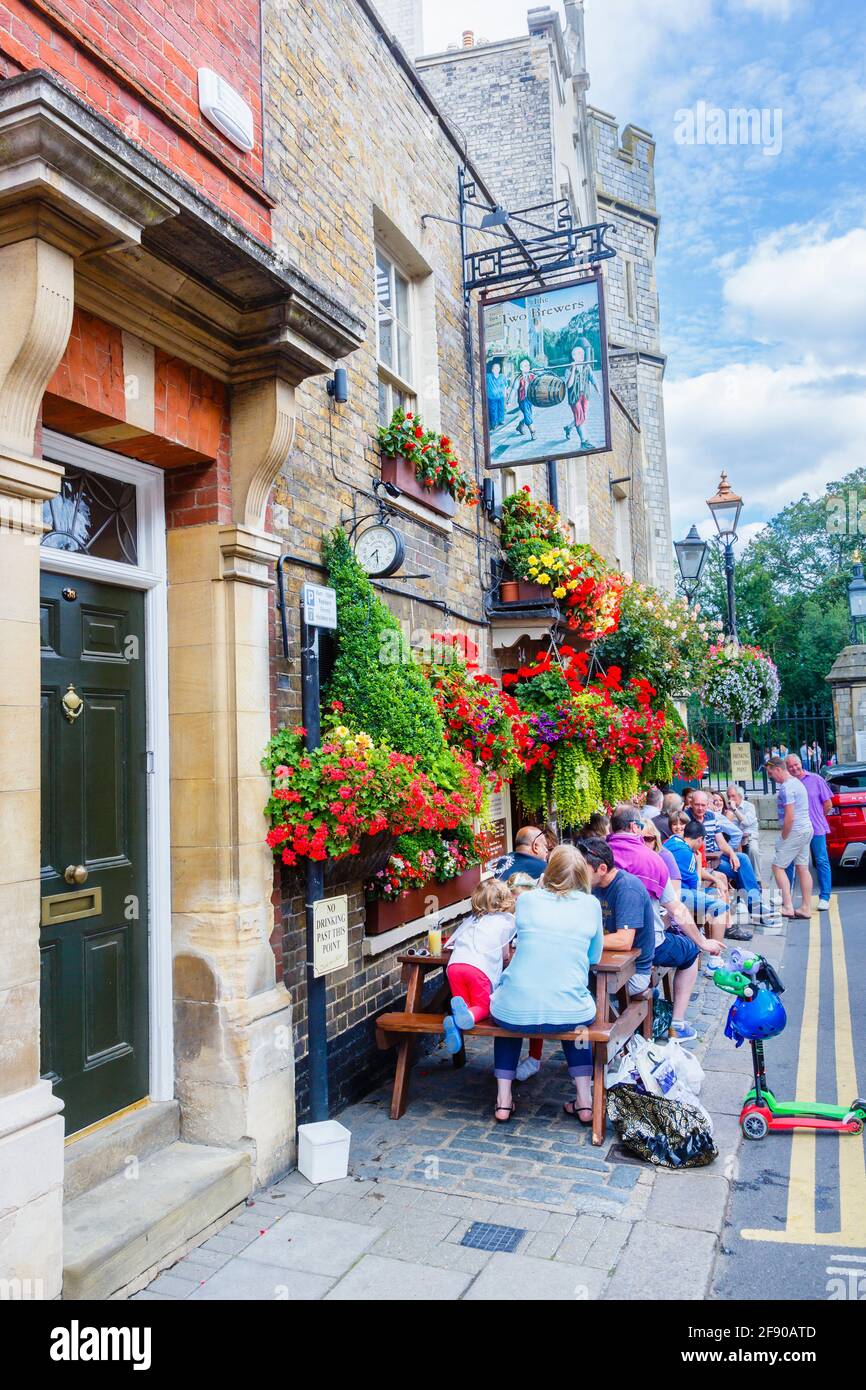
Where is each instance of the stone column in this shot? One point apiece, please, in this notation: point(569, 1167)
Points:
point(36, 291)
point(847, 678)
point(233, 1025)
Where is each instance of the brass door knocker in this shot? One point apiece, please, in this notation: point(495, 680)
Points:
point(72, 704)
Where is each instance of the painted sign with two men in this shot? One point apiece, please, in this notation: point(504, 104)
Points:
point(545, 374)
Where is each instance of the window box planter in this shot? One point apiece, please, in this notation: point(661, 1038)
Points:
point(522, 591)
point(383, 916)
point(401, 472)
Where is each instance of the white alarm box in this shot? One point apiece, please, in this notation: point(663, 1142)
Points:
point(225, 108)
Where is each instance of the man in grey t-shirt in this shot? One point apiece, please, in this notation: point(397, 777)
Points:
point(795, 836)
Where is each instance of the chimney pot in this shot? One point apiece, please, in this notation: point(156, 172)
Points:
point(468, 38)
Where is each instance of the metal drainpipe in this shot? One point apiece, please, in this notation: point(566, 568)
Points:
point(317, 1036)
point(552, 484)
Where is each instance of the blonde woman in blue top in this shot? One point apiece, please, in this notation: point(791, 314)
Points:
point(546, 987)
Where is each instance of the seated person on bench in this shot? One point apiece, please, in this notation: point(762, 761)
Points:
point(679, 946)
point(545, 988)
point(478, 952)
point(531, 849)
point(723, 836)
point(708, 908)
point(625, 905)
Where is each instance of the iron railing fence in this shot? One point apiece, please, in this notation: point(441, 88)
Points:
point(796, 729)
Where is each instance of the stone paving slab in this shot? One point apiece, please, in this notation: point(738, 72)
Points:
point(523, 1279)
point(313, 1243)
point(696, 1199)
point(663, 1262)
point(377, 1278)
point(392, 1230)
point(728, 1090)
point(256, 1281)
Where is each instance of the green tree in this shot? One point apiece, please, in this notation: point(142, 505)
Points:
point(791, 585)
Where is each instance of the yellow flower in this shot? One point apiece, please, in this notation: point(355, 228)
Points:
point(532, 560)
point(572, 584)
point(341, 731)
point(559, 592)
point(544, 579)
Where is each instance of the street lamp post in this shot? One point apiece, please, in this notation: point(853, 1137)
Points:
point(725, 508)
point(857, 597)
point(691, 556)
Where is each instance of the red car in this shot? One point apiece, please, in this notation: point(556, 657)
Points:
point(846, 843)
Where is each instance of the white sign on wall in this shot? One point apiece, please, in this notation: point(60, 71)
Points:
point(860, 737)
point(330, 935)
point(320, 605)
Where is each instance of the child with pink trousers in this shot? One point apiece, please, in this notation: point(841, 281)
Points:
point(479, 950)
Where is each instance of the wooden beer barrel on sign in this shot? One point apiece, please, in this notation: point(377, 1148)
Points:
point(547, 389)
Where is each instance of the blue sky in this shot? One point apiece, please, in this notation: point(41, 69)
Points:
point(762, 257)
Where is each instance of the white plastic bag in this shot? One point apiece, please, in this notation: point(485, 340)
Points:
point(622, 1069)
point(688, 1068)
point(659, 1067)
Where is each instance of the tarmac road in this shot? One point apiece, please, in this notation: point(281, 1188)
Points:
point(797, 1219)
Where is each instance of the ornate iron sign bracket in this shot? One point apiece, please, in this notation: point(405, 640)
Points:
point(556, 244)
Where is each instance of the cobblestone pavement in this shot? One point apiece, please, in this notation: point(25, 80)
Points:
point(591, 1225)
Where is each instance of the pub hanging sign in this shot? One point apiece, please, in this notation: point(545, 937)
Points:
point(545, 374)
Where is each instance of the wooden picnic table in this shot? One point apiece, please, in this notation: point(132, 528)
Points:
point(611, 976)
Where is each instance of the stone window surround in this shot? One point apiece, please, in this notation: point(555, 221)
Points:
point(399, 246)
point(399, 378)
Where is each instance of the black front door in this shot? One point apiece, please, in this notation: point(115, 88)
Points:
point(94, 847)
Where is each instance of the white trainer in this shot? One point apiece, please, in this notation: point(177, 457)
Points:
point(528, 1067)
point(823, 904)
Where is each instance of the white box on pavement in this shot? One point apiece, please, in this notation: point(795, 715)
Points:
point(323, 1151)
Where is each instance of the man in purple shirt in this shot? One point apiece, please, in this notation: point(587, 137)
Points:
point(820, 800)
point(679, 947)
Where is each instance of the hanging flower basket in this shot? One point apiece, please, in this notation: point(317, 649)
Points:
point(549, 567)
point(374, 851)
point(741, 684)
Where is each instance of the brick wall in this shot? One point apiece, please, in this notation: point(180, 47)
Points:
point(405, 20)
point(500, 98)
point(380, 159)
point(137, 64)
point(625, 188)
point(115, 390)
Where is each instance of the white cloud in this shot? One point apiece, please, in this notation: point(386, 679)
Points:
point(629, 42)
point(445, 20)
point(805, 289)
point(769, 9)
point(779, 431)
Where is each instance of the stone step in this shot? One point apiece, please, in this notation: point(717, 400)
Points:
point(133, 1221)
point(94, 1157)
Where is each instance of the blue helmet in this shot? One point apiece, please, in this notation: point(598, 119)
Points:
point(763, 1016)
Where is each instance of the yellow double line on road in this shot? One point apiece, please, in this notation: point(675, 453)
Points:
point(800, 1219)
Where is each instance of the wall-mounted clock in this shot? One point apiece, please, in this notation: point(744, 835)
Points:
point(380, 550)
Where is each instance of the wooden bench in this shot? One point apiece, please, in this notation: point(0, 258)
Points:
point(611, 977)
